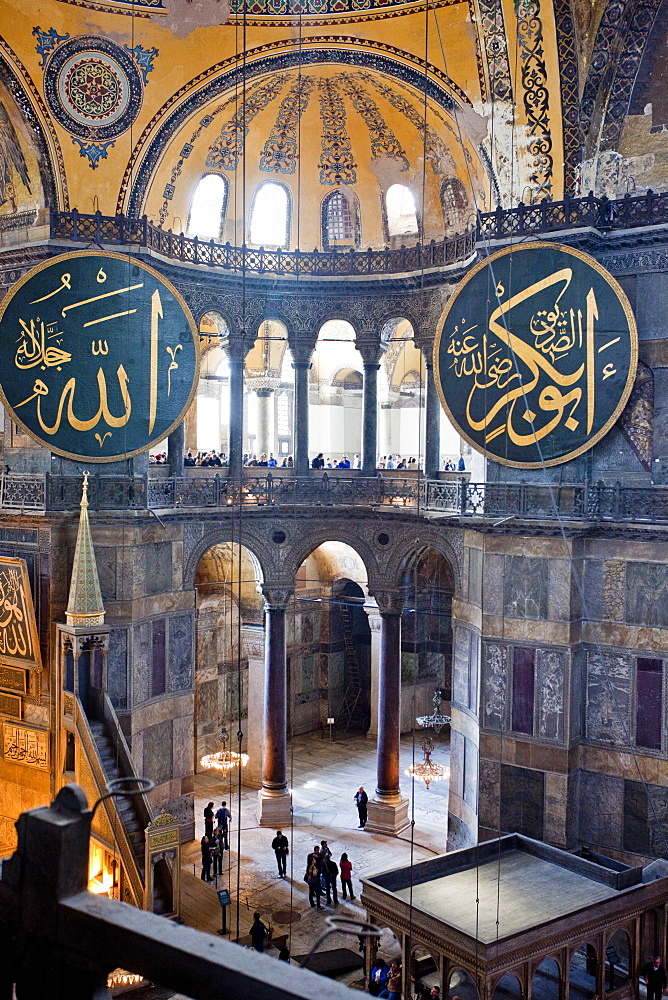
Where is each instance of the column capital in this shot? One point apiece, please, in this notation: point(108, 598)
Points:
point(390, 602)
point(302, 349)
point(371, 350)
point(276, 596)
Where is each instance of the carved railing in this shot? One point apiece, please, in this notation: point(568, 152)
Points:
point(604, 214)
point(456, 496)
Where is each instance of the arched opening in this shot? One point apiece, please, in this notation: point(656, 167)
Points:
point(583, 973)
point(269, 389)
point(545, 983)
point(401, 397)
point(401, 211)
point(340, 221)
point(507, 988)
point(424, 968)
point(207, 208)
point(617, 961)
point(228, 603)
point(270, 216)
point(461, 985)
point(207, 420)
point(455, 205)
point(335, 419)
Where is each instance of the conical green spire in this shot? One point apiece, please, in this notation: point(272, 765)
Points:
point(85, 605)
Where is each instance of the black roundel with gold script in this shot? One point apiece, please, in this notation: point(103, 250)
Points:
point(98, 356)
point(535, 354)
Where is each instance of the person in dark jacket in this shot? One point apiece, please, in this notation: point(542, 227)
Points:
point(654, 975)
point(318, 462)
point(206, 859)
point(281, 849)
point(330, 870)
point(208, 820)
point(361, 799)
point(258, 933)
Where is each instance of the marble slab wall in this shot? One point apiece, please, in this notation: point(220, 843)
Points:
point(609, 677)
point(525, 587)
point(522, 795)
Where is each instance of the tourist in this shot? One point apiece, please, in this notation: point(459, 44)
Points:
point(390, 464)
point(312, 878)
point(313, 856)
point(258, 933)
point(217, 848)
point(284, 955)
point(346, 869)
point(189, 461)
point(378, 976)
point(291, 463)
point(263, 461)
point(206, 859)
point(208, 820)
point(224, 819)
point(361, 799)
point(357, 464)
point(412, 465)
point(654, 977)
point(281, 849)
point(318, 462)
point(392, 989)
point(461, 465)
point(330, 870)
point(271, 461)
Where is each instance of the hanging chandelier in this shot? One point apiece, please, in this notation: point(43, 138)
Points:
point(427, 770)
point(225, 759)
point(436, 720)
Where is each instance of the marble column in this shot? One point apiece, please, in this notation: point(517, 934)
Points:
point(432, 448)
point(374, 624)
point(175, 449)
point(388, 810)
point(264, 443)
point(236, 421)
point(371, 352)
point(274, 800)
point(301, 354)
point(253, 643)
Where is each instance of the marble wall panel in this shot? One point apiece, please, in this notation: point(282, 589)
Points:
point(105, 558)
point(141, 662)
point(601, 810)
point(494, 685)
point(525, 587)
point(183, 731)
point(522, 801)
point(475, 576)
point(117, 668)
point(647, 594)
point(461, 665)
point(578, 694)
point(559, 590)
point(614, 589)
point(556, 808)
point(492, 584)
point(457, 763)
point(609, 697)
point(590, 600)
point(157, 567)
point(490, 793)
point(207, 703)
point(551, 680)
point(180, 657)
point(470, 782)
point(158, 750)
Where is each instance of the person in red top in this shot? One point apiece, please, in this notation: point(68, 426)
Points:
point(346, 868)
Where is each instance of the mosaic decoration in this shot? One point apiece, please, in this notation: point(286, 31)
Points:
point(11, 159)
point(131, 8)
point(21, 745)
point(330, 10)
point(280, 149)
point(570, 99)
point(225, 152)
point(72, 376)
point(535, 355)
point(436, 150)
point(536, 97)
point(336, 160)
point(637, 420)
point(496, 49)
point(19, 643)
point(383, 140)
point(275, 58)
point(94, 87)
point(606, 37)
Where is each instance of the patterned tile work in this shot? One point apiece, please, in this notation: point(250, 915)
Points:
point(383, 140)
point(226, 150)
point(437, 152)
point(536, 97)
point(607, 34)
point(627, 68)
point(280, 149)
point(637, 420)
point(496, 49)
point(336, 160)
point(570, 102)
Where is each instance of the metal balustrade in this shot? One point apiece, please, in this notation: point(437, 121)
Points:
point(456, 496)
point(603, 214)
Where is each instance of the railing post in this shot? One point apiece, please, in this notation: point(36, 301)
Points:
point(75, 224)
point(270, 488)
point(463, 498)
point(98, 226)
point(617, 501)
point(144, 230)
point(325, 487)
point(520, 218)
point(499, 222)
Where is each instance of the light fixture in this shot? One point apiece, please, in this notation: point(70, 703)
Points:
point(436, 720)
point(119, 977)
point(225, 759)
point(427, 770)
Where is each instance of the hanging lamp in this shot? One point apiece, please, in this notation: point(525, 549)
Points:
point(224, 760)
point(427, 770)
point(436, 720)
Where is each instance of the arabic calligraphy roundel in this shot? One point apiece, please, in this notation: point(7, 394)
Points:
point(99, 356)
point(93, 87)
point(535, 355)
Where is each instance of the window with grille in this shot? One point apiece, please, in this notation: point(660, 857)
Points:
point(339, 219)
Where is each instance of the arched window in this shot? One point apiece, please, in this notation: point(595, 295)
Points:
point(207, 209)
point(338, 221)
point(270, 215)
point(401, 213)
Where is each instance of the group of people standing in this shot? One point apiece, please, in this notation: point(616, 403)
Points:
point(215, 840)
point(321, 875)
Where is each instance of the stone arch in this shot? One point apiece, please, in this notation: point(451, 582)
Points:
point(461, 983)
point(618, 952)
point(508, 987)
point(221, 534)
point(583, 971)
point(546, 977)
point(405, 550)
point(336, 533)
